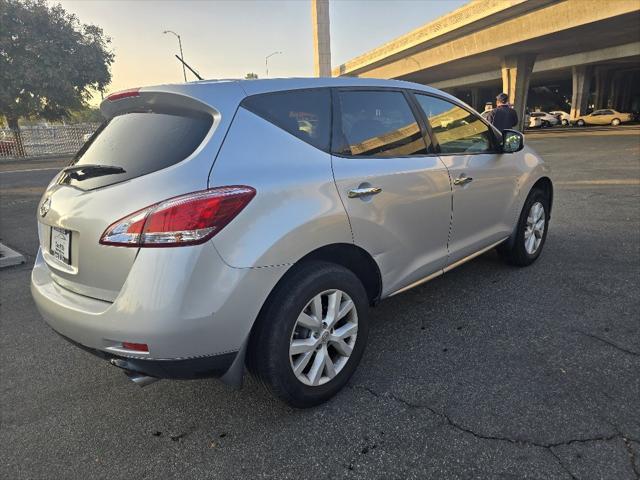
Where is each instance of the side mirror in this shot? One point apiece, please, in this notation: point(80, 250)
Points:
point(512, 141)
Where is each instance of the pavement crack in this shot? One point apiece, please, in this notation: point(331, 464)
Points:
point(482, 436)
point(632, 457)
point(610, 343)
point(561, 463)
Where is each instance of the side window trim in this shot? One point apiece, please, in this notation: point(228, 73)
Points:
point(492, 137)
point(336, 123)
point(425, 128)
point(432, 140)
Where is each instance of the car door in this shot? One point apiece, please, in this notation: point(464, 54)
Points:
point(606, 117)
point(395, 189)
point(484, 181)
point(596, 118)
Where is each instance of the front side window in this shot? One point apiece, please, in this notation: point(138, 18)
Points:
point(457, 130)
point(305, 114)
point(376, 123)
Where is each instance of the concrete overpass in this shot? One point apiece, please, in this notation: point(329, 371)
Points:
point(489, 46)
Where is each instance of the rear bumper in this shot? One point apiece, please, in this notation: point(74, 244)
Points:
point(185, 369)
point(192, 310)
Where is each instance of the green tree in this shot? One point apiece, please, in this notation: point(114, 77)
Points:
point(251, 76)
point(86, 115)
point(50, 63)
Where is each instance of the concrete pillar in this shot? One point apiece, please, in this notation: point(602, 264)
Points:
point(616, 91)
point(626, 86)
point(581, 89)
point(516, 73)
point(475, 98)
point(611, 91)
point(602, 77)
point(321, 37)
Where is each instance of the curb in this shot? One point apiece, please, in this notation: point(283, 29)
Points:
point(9, 257)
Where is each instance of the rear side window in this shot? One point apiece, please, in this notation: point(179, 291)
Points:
point(136, 144)
point(378, 124)
point(305, 114)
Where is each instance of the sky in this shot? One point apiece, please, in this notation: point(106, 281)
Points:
point(228, 39)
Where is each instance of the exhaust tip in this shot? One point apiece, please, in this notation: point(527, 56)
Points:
point(137, 378)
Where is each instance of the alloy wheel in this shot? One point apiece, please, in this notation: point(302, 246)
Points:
point(534, 230)
point(323, 337)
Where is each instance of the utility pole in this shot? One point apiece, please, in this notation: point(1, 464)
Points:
point(321, 37)
point(184, 71)
point(266, 62)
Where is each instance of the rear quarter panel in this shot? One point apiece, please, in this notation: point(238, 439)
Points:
point(297, 208)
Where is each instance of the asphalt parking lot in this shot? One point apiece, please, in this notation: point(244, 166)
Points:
point(487, 372)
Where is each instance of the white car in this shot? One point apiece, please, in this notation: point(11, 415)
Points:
point(546, 119)
point(563, 117)
point(532, 122)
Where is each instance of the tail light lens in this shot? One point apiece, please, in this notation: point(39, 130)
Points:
point(185, 220)
point(133, 92)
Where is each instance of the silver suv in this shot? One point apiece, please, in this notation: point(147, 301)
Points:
point(217, 224)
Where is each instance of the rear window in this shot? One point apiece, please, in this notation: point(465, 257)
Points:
point(305, 114)
point(136, 144)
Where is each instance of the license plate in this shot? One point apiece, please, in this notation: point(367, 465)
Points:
point(61, 244)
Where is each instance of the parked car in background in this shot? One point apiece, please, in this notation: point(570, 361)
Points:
point(209, 225)
point(532, 122)
point(563, 117)
point(546, 119)
point(606, 116)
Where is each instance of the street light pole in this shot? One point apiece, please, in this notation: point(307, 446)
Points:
point(266, 62)
point(184, 71)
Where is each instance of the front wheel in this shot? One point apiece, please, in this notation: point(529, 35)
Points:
point(615, 122)
point(531, 232)
point(565, 122)
point(580, 123)
point(311, 336)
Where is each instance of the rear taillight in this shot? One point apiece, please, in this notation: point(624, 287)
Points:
point(133, 92)
point(185, 220)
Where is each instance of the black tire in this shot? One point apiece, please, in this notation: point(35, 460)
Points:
point(580, 123)
point(513, 251)
point(565, 122)
point(268, 355)
point(615, 122)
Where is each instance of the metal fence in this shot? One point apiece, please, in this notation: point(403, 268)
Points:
point(45, 141)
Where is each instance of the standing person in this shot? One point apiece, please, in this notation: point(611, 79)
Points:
point(503, 116)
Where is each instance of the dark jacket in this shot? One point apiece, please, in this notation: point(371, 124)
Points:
point(503, 117)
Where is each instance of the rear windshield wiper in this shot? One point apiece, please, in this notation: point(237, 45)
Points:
point(84, 172)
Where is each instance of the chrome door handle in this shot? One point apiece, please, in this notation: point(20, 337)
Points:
point(363, 192)
point(462, 180)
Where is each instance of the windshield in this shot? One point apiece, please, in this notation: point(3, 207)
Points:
point(135, 144)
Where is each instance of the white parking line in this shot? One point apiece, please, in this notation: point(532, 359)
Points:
point(33, 170)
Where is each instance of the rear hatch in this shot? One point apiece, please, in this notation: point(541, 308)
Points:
point(154, 145)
